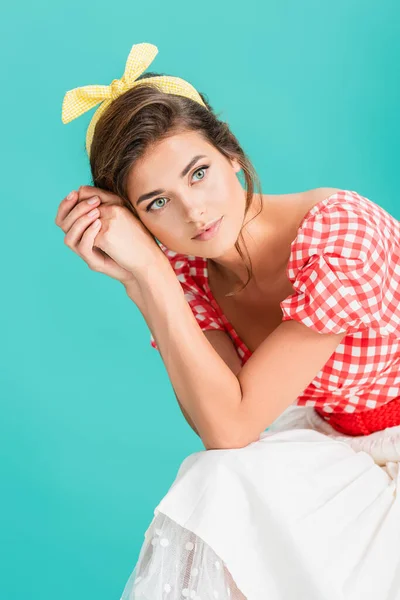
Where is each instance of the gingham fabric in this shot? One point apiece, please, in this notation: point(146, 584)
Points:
point(345, 269)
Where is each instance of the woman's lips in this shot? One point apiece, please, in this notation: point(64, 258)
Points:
point(209, 233)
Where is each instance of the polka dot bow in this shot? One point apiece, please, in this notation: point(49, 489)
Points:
point(81, 99)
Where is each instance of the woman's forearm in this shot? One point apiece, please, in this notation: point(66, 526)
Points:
point(206, 387)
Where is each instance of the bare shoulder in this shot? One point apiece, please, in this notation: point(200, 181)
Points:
point(312, 197)
point(303, 202)
point(287, 211)
point(292, 208)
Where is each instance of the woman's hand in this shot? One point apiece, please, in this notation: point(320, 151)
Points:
point(122, 235)
point(118, 232)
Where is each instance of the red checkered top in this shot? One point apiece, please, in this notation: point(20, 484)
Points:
point(345, 269)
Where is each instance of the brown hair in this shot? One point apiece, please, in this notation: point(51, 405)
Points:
point(144, 115)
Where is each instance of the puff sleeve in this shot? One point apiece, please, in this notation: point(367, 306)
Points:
point(190, 278)
point(338, 268)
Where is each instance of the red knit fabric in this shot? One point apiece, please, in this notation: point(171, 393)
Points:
point(367, 421)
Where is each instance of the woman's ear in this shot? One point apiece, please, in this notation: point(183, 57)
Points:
point(236, 165)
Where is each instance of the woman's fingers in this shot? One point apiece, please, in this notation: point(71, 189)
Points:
point(82, 210)
point(97, 260)
point(88, 191)
point(92, 256)
point(75, 232)
point(81, 223)
point(73, 211)
point(65, 206)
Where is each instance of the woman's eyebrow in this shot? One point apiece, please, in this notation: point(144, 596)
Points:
point(186, 170)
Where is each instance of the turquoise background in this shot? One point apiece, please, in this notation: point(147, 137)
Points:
point(91, 436)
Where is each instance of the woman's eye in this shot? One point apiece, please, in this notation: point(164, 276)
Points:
point(150, 209)
point(201, 169)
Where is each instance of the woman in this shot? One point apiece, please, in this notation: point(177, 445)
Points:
point(304, 343)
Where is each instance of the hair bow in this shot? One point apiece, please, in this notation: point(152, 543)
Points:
point(81, 99)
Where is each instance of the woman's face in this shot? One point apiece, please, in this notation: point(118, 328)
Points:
point(189, 195)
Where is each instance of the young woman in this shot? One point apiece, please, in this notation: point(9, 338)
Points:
point(299, 335)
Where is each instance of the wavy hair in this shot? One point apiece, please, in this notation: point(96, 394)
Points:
point(145, 115)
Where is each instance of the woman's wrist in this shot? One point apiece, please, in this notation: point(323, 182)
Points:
point(157, 275)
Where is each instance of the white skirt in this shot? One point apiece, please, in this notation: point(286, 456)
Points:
point(304, 513)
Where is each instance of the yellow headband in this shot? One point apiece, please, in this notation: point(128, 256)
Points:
point(82, 99)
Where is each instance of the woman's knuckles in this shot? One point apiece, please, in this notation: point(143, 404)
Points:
point(93, 200)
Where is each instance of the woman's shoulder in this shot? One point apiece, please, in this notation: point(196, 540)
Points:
point(292, 209)
point(344, 212)
point(315, 195)
point(309, 199)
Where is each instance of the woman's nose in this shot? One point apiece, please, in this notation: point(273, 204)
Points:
point(194, 211)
